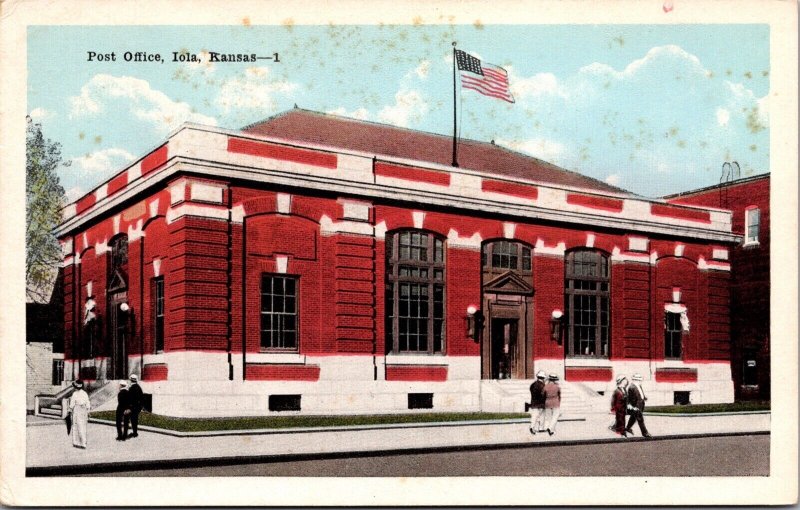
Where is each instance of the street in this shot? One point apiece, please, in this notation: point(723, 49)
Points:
point(703, 456)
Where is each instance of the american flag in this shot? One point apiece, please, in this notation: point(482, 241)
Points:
point(483, 77)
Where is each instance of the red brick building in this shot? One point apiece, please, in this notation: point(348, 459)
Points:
point(326, 264)
point(748, 199)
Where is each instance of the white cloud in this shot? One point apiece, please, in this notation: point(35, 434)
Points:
point(655, 56)
point(103, 162)
point(723, 116)
point(252, 91)
point(409, 106)
point(763, 110)
point(40, 114)
point(146, 104)
point(360, 113)
point(614, 179)
point(542, 148)
point(74, 194)
point(534, 86)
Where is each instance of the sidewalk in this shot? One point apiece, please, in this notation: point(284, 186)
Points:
point(50, 452)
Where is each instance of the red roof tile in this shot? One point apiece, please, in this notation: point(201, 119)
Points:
point(381, 139)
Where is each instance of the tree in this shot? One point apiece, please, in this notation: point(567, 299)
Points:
point(44, 198)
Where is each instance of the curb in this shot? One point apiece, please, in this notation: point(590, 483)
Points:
point(111, 467)
point(700, 415)
point(342, 428)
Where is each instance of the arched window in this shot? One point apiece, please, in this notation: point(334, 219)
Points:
point(414, 293)
point(587, 304)
point(501, 256)
point(118, 264)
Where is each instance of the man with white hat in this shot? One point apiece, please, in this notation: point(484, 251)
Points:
point(552, 403)
point(537, 403)
point(619, 402)
point(123, 411)
point(636, 401)
point(137, 402)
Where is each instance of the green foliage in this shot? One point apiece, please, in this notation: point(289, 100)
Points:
point(283, 422)
point(44, 198)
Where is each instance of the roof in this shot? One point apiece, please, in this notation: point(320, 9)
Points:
point(307, 126)
point(725, 184)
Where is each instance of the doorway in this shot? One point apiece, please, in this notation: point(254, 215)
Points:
point(118, 366)
point(505, 346)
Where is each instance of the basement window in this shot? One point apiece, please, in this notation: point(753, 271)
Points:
point(284, 402)
point(420, 400)
point(681, 398)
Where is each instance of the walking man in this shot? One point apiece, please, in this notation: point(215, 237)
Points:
point(537, 403)
point(137, 402)
point(636, 401)
point(123, 411)
point(619, 402)
point(552, 403)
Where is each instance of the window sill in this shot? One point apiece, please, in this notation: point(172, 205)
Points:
point(751, 244)
point(416, 359)
point(277, 358)
point(585, 361)
point(159, 357)
point(672, 363)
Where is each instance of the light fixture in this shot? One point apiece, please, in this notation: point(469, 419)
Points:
point(474, 321)
point(556, 330)
point(124, 307)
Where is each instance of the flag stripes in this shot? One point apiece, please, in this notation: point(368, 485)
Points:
point(482, 77)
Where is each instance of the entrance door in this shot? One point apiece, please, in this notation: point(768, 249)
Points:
point(118, 366)
point(504, 352)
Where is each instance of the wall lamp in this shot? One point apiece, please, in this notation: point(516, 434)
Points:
point(474, 322)
point(125, 307)
point(556, 326)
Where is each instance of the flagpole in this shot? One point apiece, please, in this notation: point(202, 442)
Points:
point(455, 124)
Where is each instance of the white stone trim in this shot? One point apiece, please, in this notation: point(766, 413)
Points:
point(69, 211)
point(329, 227)
point(136, 231)
point(356, 211)
point(419, 219)
point(156, 267)
point(117, 220)
point(85, 241)
point(654, 257)
point(509, 229)
point(588, 362)
point(153, 207)
point(618, 256)
point(68, 261)
point(89, 288)
point(101, 192)
point(422, 359)
point(276, 358)
point(679, 247)
point(541, 249)
point(205, 192)
point(719, 254)
point(237, 213)
point(203, 211)
point(638, 243)
point(281, 263)
point(284, 203)
point(134, 172)
point(154, 359)
point(590, 238)
point(66, 247)
point(380, 230)
point(702, 264)
point(471, 243)
point(177, 192)
point(101, 247)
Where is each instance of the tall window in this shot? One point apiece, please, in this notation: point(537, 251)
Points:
point(500, 256)
point(587, 303)
point(158, 313)
point(119, 254)
point(414, 293)
point(752, 225)
point(673, 335)
point(279, 312)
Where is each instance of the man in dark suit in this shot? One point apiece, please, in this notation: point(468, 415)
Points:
point(636, 401)
point(537, 403)
point(618, 402)
point(123, 411)
point(137, 402)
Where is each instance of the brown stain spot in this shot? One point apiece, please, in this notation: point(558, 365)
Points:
point(98, 139)
point(416, 21)
point(681, 144)
point(754, 124)
point(478, 24)
point(246, 21)
point(728, 72)
point(710, 74)
point(753, 148)
point(748, 75)
point(620, 40)
point(81, 135)
point(288, 24)
point(765, 73)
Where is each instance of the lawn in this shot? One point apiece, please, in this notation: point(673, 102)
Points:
point(283, 422)
point(756, 405)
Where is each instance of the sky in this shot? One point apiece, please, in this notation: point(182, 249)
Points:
point(654, 109)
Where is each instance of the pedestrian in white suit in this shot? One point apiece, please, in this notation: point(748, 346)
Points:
point(79, 407)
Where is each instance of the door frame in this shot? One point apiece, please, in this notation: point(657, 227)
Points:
point(118, 350)
point(517, 307)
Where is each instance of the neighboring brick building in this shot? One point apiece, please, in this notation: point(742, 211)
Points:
point(331, 265)
point(748, 199)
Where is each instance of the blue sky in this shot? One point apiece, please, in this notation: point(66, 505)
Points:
point(655, 109)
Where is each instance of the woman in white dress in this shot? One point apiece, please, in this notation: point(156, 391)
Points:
point(79, 407)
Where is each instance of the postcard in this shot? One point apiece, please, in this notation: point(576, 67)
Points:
point(399, 254)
